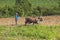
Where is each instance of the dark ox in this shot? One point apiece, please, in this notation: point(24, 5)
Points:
point(31, 20)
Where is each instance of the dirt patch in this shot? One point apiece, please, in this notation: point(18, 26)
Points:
point(47, 20)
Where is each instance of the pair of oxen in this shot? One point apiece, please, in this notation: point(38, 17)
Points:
point(33, 20)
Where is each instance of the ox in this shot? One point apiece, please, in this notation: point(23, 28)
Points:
point(34, 20)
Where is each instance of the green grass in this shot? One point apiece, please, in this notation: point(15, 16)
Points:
point(10, 3)
point(30, 32)
point(44, 3)
point(35, 3)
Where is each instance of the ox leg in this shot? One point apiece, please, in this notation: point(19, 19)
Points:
point(33, 23)
point(37, 22)
point(25, 23)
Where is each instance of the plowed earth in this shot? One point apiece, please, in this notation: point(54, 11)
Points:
point(47, 20)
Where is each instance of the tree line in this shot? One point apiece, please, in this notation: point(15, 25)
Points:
point(24, 8)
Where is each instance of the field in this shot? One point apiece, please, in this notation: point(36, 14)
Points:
point(30, 32)
point(47, 20)
point(48, 29)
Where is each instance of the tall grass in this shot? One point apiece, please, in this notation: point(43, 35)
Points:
point(30, 32)
point(10, 3)
point(44, 3)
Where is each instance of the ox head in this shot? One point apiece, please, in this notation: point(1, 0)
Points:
point(40, 18)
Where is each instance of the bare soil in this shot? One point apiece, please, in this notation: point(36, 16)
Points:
point(47, 20)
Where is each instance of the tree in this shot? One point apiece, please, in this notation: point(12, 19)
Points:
point(23, 7)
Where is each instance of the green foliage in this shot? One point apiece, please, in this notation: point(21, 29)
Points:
point(23, 7)
point(30, 31)
point(29, 7)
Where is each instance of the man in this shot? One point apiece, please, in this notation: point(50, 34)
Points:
point(16, 18)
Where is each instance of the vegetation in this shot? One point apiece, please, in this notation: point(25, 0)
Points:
point(30, 32)
point(29, 7)
point(8, 8)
